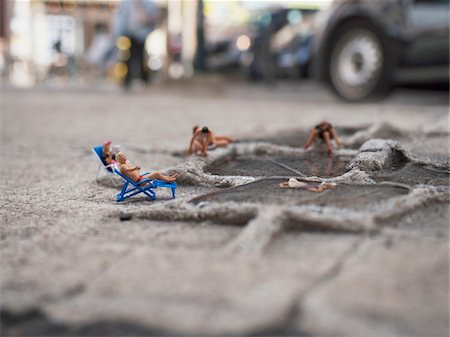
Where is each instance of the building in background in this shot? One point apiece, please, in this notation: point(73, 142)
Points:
point(73, 41)
point(5, 34)
point(62, 37)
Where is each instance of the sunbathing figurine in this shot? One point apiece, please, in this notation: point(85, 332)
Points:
point(324, 131)
point(202, 138)
point(132, 172)
point(294, 183)
point(107, 156)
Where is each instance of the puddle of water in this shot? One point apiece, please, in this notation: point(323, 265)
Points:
point(266, 191)
point(313, 163)
point(298, 138)
point(292, 138)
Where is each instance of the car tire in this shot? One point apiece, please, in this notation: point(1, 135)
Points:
point(359, 63)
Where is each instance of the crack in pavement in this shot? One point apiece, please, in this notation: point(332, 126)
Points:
point(322, 280)
point(257, 233)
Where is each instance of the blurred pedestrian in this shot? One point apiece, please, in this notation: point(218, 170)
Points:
point(100, 47)
point(135, 20)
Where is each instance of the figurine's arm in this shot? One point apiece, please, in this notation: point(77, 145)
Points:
point(312, 136)
point(336, 138)
point(191, 144)
point(326, 136)
point(194, 136)
point(205, 146)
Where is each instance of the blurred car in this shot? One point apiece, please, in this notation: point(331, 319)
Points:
point(281, 43)
point(291, 45)
point(259, 59)
point(226, 34)
point(362, 47)
point(225, 51)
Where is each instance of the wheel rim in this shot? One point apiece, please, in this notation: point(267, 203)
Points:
point(357, 62)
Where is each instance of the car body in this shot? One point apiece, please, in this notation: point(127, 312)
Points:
point(280, 43)
point(362, 47)
point(225, 51)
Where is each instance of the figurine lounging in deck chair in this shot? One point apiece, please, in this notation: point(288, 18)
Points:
point(107, 156)
point(141, 183)
point(101, 157)
point(133, 172)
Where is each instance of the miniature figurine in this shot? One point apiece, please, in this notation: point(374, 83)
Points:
point(202, 138)
point(133, 172)
point(294, 183)
point(108, 157)
point(324, 131)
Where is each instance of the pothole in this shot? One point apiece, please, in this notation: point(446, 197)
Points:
point(311, 163)
point(352, 136)
point(266, 191)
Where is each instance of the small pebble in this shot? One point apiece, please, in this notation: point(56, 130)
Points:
point(125, 216)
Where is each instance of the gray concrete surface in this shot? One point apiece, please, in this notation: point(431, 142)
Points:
point(366, 258)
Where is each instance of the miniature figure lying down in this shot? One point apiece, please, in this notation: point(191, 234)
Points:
point(294, 183)
point(133, 172)
point(202, 138)
point(324, 131)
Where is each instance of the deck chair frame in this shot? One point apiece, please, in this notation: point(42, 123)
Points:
point(145, 186)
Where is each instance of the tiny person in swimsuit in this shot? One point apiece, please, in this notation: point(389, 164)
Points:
point(133, 172)
point(202, 138)
point(108, 157)
point(324, 131)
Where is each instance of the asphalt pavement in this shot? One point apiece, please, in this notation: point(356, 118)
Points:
point(233, 254)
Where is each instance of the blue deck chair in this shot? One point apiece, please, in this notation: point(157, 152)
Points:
point(98, 152)
point(147, 188)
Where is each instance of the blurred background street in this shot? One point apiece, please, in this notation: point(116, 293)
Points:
point(233, 254)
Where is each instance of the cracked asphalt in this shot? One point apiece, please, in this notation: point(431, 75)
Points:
point(233, 254)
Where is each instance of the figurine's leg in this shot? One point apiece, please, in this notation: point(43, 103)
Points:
point(204, 151)
point(326, 136)
point(196, 147)
point(335, 137)
point(159, 176)
point(222, 140)
point(312, 137)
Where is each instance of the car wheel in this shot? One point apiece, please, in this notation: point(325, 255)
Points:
point(358, 63)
